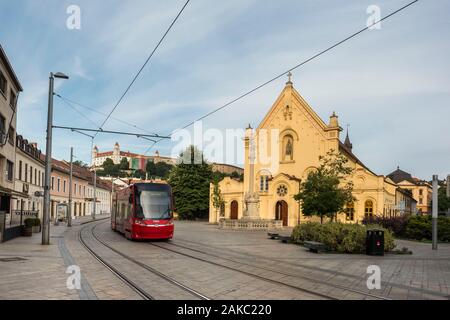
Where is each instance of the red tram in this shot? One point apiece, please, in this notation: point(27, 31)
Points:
point(144, 211)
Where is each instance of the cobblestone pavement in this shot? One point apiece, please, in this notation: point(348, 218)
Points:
point(220, 264)
point(423, 275)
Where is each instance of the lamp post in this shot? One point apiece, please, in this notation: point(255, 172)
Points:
point(434, 214)
point(48, 158)
point(69, 218)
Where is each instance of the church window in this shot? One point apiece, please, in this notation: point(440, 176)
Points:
point(350, 212)
point(264, 183)
point(368, 209)
point(282, 190)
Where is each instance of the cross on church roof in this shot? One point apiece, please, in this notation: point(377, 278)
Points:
point(289, 78)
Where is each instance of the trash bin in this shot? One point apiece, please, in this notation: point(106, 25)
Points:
point(375, 242)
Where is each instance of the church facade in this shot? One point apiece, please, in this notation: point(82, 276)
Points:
point(295, 139)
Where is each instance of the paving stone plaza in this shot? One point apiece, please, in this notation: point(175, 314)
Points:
point(203, 262)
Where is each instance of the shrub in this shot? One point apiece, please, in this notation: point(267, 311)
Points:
point(420, 228)
point(32, 222)
point(29, 222)
point(395, 224)
point(340, 237)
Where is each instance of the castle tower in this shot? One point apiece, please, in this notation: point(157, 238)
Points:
point(94, 155)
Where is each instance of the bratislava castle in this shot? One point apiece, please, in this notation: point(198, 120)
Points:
point(301, 138)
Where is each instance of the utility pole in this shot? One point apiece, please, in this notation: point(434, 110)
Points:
point(48, 159)
point(435, 211)
point(69, 218)
point(95, 194)
point(448, 193)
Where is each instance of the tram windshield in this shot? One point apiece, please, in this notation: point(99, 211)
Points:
point(153, 205)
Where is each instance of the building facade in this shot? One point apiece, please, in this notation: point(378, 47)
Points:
point(136, 161)
point(139, 162)
point(295, 138)
point(10, 88)
point(421, 190)
point(82, 191)
point(29, 180)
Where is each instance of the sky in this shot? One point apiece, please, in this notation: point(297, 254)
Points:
point(391, 85)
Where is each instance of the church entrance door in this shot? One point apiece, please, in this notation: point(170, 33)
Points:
point(234, 210)
point(281, 212)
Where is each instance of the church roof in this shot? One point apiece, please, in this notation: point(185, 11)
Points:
point(400, 175)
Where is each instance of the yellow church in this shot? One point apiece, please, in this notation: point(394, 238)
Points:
point(266, 194)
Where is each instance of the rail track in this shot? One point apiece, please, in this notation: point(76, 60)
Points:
point(130, 283)
point(322, 295)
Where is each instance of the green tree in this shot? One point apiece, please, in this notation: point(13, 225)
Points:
point(124, 164)
point(443, 200)
point(140, 174)
point(163, 169)
point(110, 169)
point(217, 199)
point(158, 170)
point(150, 168)
point(326, 191)
point(81, 164)
point(190, 181)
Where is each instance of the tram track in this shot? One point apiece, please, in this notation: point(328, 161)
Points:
point(123, 277)
point(326, 296)
point(253, 275)
point(142, 293)
point(387, 284)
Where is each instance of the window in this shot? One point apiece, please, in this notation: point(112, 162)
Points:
point(282, 190)
point(39, 180)
point(9, 172)
point(42, 184)
point(420, 201)
point(35, 176)
point(420, 191)
point(75, 189)
point(84, 191)
point(11, 135)
point(59, 183)
point(368, 209)
point(64, 186)
point(264, 183)
point(26, 172)
point(2, 84)
point(53, 183)
point(31, 174)
point(350, 212)
point(20, 170)
point(12, 99)
point(2, 128)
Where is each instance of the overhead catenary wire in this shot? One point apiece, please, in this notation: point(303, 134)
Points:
point(143, 66)
point(72, 102)
point(287, 71)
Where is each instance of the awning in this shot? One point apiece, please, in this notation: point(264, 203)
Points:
point(11, 192)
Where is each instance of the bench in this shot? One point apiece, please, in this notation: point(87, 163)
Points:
point(314, 246)
point(285, 239)
point(273, 236)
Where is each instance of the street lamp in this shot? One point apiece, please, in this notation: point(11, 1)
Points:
point(48, 158)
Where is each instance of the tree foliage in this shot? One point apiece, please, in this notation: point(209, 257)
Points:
point(327, 190)
point(124, 164)
point(217, 198)
point(443, 200)
point(158, 170)
point(190, 181)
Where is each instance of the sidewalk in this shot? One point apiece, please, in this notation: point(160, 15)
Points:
point(31, 271)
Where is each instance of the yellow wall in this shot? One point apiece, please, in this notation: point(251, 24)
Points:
point(293, 117)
